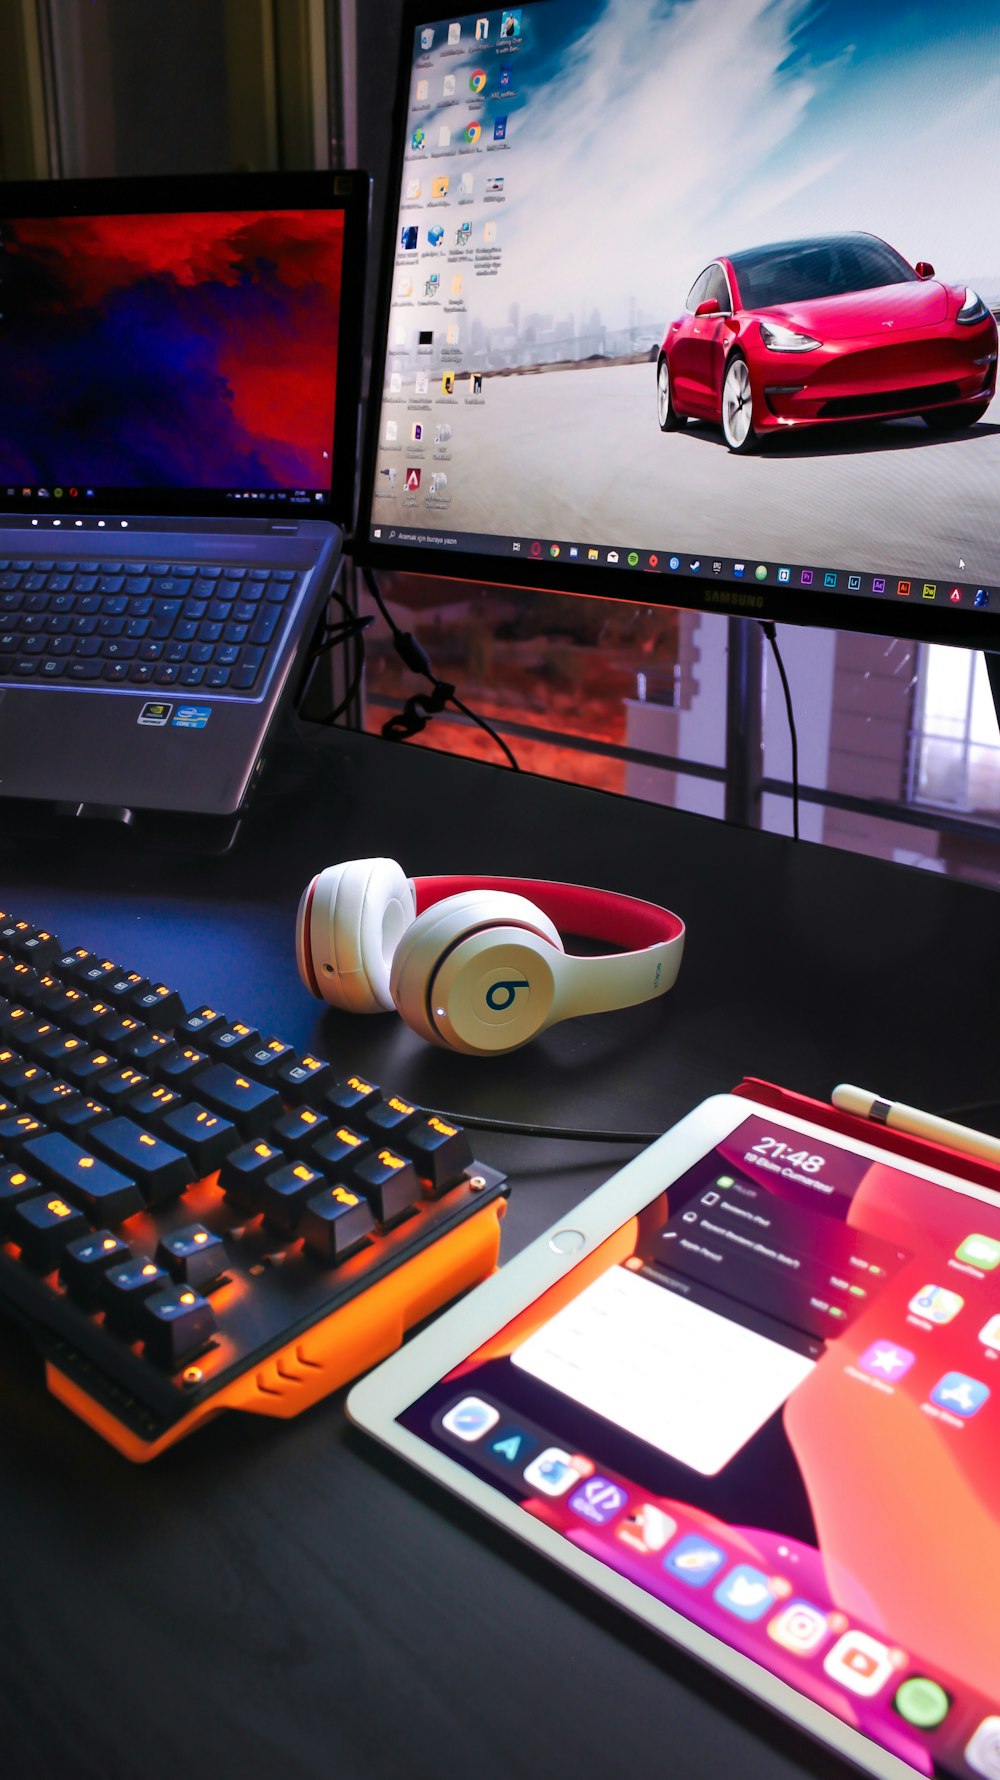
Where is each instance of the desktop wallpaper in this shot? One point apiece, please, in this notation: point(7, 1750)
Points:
point(565, 181)
point(170, 351)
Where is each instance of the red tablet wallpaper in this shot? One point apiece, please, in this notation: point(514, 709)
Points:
point(772, 1402)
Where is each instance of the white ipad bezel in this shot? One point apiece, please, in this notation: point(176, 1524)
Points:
point(377, 1400)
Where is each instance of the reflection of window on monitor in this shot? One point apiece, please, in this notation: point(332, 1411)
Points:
point(756, 379)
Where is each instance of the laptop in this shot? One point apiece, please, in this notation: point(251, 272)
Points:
point(179, 397)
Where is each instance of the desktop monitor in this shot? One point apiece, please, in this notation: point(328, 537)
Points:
point(696, 305)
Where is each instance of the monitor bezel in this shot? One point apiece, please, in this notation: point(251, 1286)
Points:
point(347, 191)
point(827, 610)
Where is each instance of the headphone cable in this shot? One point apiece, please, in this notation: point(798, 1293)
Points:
point(567, 1132)
point(767, 625)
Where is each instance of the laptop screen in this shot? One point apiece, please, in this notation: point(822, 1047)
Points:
point(179, 359)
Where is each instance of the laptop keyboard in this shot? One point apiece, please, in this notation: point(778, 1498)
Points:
point(182, 624)
point(195, 1216)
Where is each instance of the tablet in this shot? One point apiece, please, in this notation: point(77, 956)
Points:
point(750, 1391)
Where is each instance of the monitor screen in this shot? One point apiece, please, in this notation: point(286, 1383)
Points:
point(170, 343)
point(707, 298)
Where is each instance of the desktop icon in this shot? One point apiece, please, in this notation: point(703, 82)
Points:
point(510, 26)
point(404, 286)
point(598, 1500)
point(432, 284)
point(444, 136)
point(878, 585)
point(477, 80)
point(504, 82)
point(420, 383)
point(860, 1663)
point(633, 558)
point(471, 1418)
point(853, 583)
point(463, 234)
point(612, 556)
point(981, 598)
point(800, 1627)
point(884, 1359)
point(979, 1251)
point(989, 1334)
point(439, 189)
point(936, 1304)
point(574, 550)
point(414, 191)
point(739, 570)
point(448, 87)
point(423, 92)
point(418, 140)
point(535, 549)
point(457, 285)
point(411, 481)
point(960, 1394)
point(760, 572)
point(396, 384)
point(452, 336)
point(746, 1592)
point(654, 561)
point(553, 1472)
point(435, 235)
point(646, 1529)
point(494, 184)
point(806, 578)
point(427, 38)
point(829, 580)
point(476, 383)
point(784, 574)
point(955, 596)
point(930, 590)
point(489, 233)
point(922, 1703)
point(417, 432)
point(903, 589)
point(448, 384)
point(553, 550)
point(467, 184)
point(482, 30)
point(408, 238)
point(674, 562)
point(500, 129)
point(391, 432)
point(473, 131)
point(982, 1751)
point(694, 1560)
point(455, 33)
point(593, 555)
point(439, 482)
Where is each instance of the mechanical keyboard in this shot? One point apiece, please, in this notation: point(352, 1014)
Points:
point(142, 623)
point(196, 1218)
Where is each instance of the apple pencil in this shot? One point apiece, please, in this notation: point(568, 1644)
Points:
point(898, 1117)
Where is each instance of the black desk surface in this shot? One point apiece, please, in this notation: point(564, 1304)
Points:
point(282, 1598)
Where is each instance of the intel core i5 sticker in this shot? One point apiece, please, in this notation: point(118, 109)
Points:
point(191, 716)
point(155, 715)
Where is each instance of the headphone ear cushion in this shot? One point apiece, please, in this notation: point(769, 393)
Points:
point(438, 930)
point(350, 922)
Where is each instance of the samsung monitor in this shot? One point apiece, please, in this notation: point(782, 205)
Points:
point(696, 304)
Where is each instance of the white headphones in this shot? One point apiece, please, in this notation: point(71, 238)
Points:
point(477, 964)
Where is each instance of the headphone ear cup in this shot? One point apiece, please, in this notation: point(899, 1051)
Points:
point(350, 921)
point(508, 937)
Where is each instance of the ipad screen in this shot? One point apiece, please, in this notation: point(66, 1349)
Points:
point(772, 1401)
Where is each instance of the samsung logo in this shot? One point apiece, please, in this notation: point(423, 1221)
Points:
point(715, 597)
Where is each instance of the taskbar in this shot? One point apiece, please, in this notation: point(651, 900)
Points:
point(733, 570)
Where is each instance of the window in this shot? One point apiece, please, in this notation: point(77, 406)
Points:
point(955, 758)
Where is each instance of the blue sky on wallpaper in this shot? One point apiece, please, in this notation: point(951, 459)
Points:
point(647, 136)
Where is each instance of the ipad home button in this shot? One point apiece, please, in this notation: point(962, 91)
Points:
point(567, 1242)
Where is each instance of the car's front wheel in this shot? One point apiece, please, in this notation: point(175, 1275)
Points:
point(953, 420)
point(666, 413)
point(737, 406)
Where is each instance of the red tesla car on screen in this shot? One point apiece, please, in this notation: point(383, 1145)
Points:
point(839, 327)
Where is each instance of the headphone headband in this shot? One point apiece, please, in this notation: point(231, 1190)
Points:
point(624, 921)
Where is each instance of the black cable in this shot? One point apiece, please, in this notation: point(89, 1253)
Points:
point(419, 709)
point(567, 1132)
point(768, 627)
